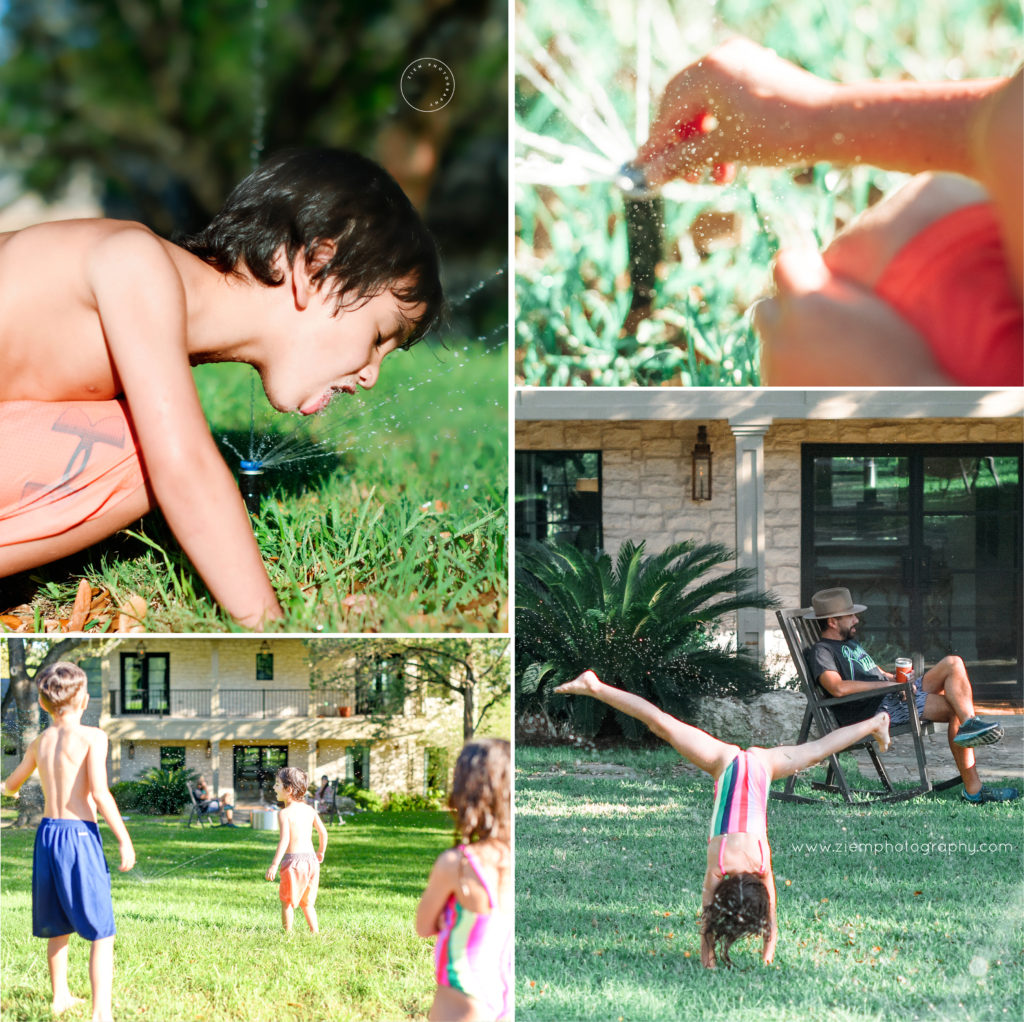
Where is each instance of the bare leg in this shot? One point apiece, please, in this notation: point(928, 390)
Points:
point(287, 915)
point(949, 678)
point(700, 748)
point(823, 330)
point(101, 976)
point(57, 959)
point(309, 911)
point(784, 760)
point(22, 556)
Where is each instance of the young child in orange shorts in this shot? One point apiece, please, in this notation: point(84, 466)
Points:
point(316, 268)
point(300, 864)
point(925, 288)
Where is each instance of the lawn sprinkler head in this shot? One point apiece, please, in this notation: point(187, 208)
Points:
point(250, 482)
point(631, 180)
point(644, 224)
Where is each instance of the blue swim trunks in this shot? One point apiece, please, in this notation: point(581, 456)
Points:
point(70, 881)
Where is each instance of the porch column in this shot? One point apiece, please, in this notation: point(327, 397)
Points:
point(311, 760)
point(215, 767)
point(214, 679)
point(750, 532)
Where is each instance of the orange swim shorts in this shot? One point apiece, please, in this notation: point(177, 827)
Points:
point(64, 463)
point(952, 283)
point(300, 879)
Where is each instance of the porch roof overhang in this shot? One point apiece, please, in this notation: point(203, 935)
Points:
point(765, 405)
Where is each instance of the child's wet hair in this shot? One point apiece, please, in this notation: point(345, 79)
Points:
point(60, 684)
point(294, 781)
point(740, 908)
point(481, 795)
point(301, 198)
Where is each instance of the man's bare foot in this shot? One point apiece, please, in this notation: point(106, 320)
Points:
point(61, 1004)
point(881, 732)
point(585, 684)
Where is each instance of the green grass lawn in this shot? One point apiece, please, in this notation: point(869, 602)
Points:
point(608, 880)
point(199, 929)
point(572, 285)
point(397, 521)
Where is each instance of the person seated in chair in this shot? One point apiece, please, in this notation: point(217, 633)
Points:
point(842, 667)
point(209, 804)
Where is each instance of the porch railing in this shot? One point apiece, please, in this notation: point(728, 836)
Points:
point(242, 703)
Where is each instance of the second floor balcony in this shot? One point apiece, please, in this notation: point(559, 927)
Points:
point(238, 704)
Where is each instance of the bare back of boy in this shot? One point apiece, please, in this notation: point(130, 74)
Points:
point(51, 334)
point(298, 820)
point(67, 756)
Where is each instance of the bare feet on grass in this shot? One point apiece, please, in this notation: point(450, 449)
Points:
point(585, 684)
point(61, 1004)
point(881, 732)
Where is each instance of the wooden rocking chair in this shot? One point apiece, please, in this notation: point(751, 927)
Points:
point(801, 633)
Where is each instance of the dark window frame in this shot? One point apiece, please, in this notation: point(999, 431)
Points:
point(533, 512)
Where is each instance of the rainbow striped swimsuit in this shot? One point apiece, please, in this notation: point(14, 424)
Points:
point(741, 798)
point(474, 951)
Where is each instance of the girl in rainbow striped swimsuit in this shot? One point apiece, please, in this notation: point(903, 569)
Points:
point(739, 889)
point(468, 900)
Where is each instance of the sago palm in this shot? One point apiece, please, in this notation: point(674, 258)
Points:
point(644, 623)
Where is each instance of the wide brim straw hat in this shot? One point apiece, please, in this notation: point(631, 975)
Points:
point(833, 603)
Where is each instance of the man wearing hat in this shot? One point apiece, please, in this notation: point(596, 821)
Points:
point(843, 667)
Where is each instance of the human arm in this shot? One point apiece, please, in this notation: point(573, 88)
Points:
point(440, 886)
point(322, 833)
point(712, 878)
point(836, 685)
point(771, 938)
point(141, 303)
point(96, 766)
point(21, 773)
point(282, 845)
point(769, 112)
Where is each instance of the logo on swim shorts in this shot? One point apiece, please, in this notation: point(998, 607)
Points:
point(427, 84)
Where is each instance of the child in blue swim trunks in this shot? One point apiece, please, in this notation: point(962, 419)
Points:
point(70, 876)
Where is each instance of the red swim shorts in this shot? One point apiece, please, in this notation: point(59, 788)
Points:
point(300, 879)
point(952, 283)
point(64, 463)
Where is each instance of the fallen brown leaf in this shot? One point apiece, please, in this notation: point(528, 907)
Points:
point(80, 611)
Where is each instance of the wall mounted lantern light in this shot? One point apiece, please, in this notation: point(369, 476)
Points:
point(702, 465)
point(131, 750)
point(209, 750)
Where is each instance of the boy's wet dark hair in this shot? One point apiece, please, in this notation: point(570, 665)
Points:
point(60, 685)
point(740, 908)
point(300, 198)
point(294, 781)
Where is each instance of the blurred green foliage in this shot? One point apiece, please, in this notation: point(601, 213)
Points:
point(167, 103)
point(572, 285)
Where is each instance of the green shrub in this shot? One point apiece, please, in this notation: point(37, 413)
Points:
point(363, 797)
point(130, 796)
point(400, 801)
point(165, 792)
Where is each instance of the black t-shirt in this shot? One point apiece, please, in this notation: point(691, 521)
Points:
point(852, 662)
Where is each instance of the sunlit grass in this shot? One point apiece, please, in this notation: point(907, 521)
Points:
point(199, 929)
point(913, 910)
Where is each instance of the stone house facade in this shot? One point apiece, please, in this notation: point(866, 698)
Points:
point(235, 710)
point(770, 449)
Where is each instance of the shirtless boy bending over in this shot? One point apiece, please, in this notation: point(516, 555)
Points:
point(315, 269)
point(70, 877)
